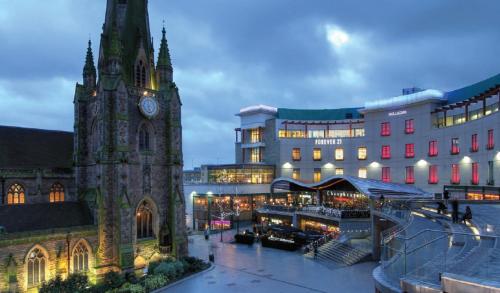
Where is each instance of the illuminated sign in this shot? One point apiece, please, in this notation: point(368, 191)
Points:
point(397, 113)
point(329, 141)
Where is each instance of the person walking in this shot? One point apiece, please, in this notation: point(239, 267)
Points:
point(468, 215)
point(454, 213)
point(207, 234)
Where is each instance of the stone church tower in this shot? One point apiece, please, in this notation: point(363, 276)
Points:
point(127, 146)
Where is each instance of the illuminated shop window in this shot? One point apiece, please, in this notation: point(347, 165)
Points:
point(455, 147)
point(491, 140)
point(339, 171)
point(475, 174)
point(36, 267)
point(433, 148)
point(455, 174)
point(296, 156)
point(296, 174)
point(474, 144)
point(339, 154)
point(385, 129)
point(409, 175)
point(433, 174)
point(410, 150)
point(56, 193)
point(317, 154)
point(15, 194)
point(409, 126)
point(362, 153)
point(80, 258)
point(255, 135)
point(247, 175)
point(255, 155)
point(386, 152)
point(317, 175)
point(386, 174)
point(362, 173)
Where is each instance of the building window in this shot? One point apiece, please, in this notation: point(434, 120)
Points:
point(339, 154)
point(455, 148)
point(455, 174)
point(255, 135)
point(490, 181)
point(317, 175)
point(80, 258)
point(491, 140)
point(362, 173)
point(362, 153)
point(339, 171)
point(474, 145)
point(409, 175)
point(15, 195)
point(255, 155)
point(386, 152)
point(386, 174)
point(317, 154)
point(144, 138)
point(475, 174)
point(433, 148)
point(56, 193)
point(296, 154)
point(296, 174)
point(410, 150)
point(409, 126)
point(433, 174)
point(144, 219)
point(36, 267)
point(385, 129)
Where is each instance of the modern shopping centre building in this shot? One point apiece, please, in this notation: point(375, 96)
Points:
point(427, 139)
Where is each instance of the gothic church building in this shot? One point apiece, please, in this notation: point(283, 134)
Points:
point(108, 196)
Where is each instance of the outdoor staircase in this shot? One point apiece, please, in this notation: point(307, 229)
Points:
point(340, 253)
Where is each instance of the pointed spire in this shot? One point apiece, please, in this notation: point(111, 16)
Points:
point(164, 65)
point(89, 71)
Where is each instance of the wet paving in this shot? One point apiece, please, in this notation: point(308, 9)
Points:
point(242, 268)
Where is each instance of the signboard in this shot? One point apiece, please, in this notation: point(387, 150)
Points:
point(328, 141)
point(397, 113)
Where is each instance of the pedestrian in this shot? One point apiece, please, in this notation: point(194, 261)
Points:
point(255, 228)
point(454, 213)
point(207, 234)
point(468, 215)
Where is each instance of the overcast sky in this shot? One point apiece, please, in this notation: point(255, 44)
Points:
point(228, 54)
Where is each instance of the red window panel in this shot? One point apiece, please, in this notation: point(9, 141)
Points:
point(410, 175)
point(385, 129)
point(455, 174)
point(491, 140)
point(475, 174)
point(433, 174)
point(410, 150)
point(409, 126)
point(455, 147)
point(433, 148)
point(386, 152)
point(474, 145)
point(386, 174)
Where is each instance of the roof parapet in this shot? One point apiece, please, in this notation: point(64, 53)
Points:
point(404, 100)
point(257, 109)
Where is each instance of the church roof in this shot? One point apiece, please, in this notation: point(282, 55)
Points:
point(35, 148)
point(44, 216)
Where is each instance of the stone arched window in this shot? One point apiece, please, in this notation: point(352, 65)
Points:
point(16, 194)
point(144, 219)
point(144, 138)
point(140, 74)
point(56, 193)
point(80, 258)
point(36, 266)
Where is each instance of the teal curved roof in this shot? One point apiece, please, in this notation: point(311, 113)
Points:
point(473, 89)
point(322, 114)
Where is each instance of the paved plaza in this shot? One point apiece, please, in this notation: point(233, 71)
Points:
point(241, 268)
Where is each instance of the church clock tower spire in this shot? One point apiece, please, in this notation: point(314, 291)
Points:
point(89, 72)
point(164, 65)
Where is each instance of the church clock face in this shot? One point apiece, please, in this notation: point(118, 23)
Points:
point(149, 107)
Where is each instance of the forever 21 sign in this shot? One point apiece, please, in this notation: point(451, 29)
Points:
point(329, 141)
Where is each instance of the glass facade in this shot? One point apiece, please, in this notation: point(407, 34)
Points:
point(241, 174)
point(321, 133)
